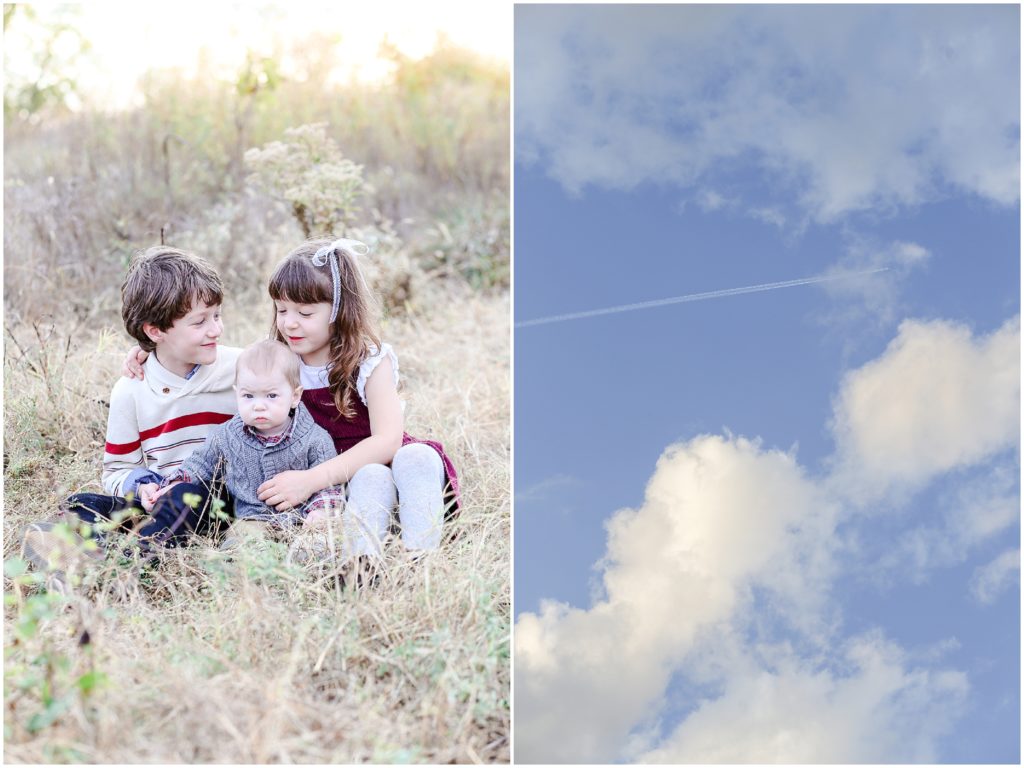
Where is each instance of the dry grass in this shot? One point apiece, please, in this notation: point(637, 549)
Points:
point(249, 661)
point(200, 660)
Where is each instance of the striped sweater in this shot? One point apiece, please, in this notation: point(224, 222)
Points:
point(157, 422)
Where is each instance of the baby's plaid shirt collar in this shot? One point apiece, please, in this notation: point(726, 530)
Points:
point(272, 439)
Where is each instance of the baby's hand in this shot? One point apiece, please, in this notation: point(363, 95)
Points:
point(147, 493)
point(131, 368)
point(150, 492)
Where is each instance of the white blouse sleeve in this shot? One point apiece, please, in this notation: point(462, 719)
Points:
point(367, 366)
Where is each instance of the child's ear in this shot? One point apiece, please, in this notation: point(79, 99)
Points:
point(296, 396)
point(154, 333)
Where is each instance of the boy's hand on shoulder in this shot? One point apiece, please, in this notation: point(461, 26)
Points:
point(131, 368)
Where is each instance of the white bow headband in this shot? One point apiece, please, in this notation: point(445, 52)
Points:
point(326, 255)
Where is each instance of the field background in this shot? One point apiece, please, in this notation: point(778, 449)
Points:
point(251, 661)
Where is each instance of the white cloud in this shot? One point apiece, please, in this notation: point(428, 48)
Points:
point(722, 521)
point(845, 107)
point(874, 710)
point(977, 512)
point(769, 215)
point(991, 579)
point(709, 200)
point(736, 546)
point(937, 399)
point(542, 490)
point(719, 515)
point(873, 296)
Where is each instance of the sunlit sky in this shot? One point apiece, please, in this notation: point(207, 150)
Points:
point(129, 39)
point(779, 527)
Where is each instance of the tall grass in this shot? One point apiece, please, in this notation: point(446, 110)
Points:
point(202, 660)
point(82, 193)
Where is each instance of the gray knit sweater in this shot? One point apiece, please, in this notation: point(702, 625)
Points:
point(250, 462)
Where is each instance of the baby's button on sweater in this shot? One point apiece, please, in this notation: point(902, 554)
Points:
point(267, 462)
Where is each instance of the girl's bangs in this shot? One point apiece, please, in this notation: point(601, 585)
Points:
point(299, 282)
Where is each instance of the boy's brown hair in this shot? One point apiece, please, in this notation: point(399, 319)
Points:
point(161, 286)
point(270, 356)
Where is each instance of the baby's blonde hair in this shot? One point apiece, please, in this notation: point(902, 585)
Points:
point(269, 356)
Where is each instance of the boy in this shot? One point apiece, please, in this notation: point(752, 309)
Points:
point(273, 432)
point(171, 306)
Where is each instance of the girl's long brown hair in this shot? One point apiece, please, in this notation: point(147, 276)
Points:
point(296, 279)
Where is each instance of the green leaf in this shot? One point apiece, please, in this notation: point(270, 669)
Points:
point(63, 532)
point(30, 578)
point(14, 566)
point(29, 681)
point(48, 716)
point(42, 606)
point(88, 682)
point(26, 628)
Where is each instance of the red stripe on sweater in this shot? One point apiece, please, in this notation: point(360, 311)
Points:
point(121, 448)
point(179, 422)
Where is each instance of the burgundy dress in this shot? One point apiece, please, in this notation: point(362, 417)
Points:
point(347, 432)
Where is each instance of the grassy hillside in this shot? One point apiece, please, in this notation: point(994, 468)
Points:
point(202, 660)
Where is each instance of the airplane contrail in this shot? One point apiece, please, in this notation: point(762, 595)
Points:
point(696, 297)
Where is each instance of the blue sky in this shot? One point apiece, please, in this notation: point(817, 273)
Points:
point(782, 526)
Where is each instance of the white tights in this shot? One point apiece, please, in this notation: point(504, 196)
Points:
point(415, 482)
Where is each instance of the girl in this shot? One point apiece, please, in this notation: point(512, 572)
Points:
point(349, 379)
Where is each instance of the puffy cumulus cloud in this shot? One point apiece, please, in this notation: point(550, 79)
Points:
point(873, 708)
point(845, 108)
point(991, 579)
point(735, 546)
point(719, 513)
point(720, 516)
point(578, 690)
point(936, 400)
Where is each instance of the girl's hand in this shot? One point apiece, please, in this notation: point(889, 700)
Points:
point(131, 368)
point(288, 490)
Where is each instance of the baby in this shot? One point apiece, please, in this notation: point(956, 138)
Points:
point(273, 432)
